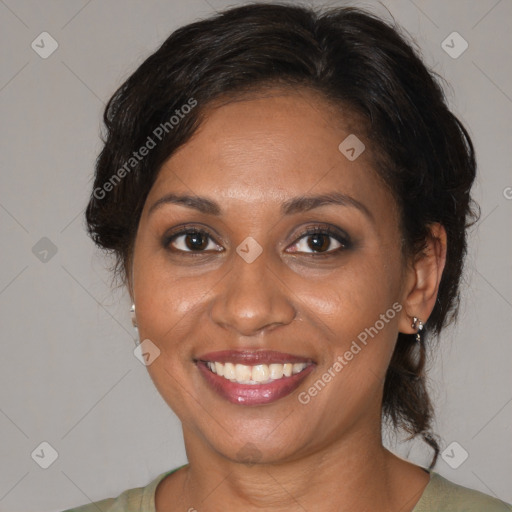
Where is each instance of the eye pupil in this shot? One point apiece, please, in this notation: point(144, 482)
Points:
point(321, 242)
point(196, 241)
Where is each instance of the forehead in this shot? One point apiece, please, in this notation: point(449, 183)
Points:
point(270, 146)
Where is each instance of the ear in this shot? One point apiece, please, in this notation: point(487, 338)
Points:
point(423, 276)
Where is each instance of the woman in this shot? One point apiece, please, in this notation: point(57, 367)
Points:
point(287, 196)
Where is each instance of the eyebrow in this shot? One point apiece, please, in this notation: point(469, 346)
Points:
point(291, 206)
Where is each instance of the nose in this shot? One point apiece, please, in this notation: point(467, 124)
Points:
point(252, 298)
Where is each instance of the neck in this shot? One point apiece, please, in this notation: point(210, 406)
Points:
point(355, 473)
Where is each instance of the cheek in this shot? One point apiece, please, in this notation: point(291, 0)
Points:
point(167, 306)
point(354, 296)
point(161, 293)
point(358, 312)
point(346, 299)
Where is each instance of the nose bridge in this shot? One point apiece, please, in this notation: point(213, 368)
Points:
point(252, 297)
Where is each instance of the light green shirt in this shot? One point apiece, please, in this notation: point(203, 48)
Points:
point(440, 495)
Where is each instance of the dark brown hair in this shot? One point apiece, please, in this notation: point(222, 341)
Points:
point(351, 58)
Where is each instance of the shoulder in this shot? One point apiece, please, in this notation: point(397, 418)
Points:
point(441, 495)
point(138, 499)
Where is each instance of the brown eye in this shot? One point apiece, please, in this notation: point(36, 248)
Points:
point(196, 241)
point(319, 240)
point(191, 240)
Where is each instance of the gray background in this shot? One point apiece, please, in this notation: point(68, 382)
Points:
point(68, 373)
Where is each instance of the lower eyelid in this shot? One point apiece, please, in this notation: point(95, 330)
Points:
point(168, 241)
point(345, 243)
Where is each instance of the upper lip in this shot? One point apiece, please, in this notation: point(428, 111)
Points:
point(251, 357)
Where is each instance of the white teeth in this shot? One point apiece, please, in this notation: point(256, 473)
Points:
point(298, 367)
point(229, 371)
point(260, 373)
point(276, 371)
point(219, 369)
point(257, 374)
point(242, 373)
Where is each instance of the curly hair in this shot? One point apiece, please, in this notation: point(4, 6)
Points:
point(353, 59)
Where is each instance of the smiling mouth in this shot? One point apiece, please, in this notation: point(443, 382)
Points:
point(246, 377)
point(257, 374)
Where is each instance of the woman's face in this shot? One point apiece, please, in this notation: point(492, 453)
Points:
point(255, 289)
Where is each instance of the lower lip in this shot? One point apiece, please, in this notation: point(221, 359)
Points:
point(253, 394)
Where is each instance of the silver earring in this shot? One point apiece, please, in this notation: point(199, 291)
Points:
point(417, 325)
point(132, 314)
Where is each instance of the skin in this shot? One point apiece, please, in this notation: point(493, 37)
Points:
point(250, 156)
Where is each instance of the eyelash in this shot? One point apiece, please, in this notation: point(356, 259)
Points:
point(344, 240)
